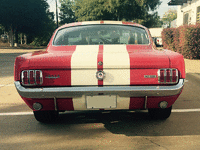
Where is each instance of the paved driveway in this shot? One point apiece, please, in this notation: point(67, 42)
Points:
point(95, 130)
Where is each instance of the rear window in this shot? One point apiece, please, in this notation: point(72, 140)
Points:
point(101, 34)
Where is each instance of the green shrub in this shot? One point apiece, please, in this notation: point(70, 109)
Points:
point(167, 38)
point(184, 40)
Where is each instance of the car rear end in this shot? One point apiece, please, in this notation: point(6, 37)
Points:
point(114, 68)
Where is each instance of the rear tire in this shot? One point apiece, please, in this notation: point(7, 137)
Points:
point(46, 116)
point(159, 113)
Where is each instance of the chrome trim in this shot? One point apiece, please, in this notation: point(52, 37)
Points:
point(52, 77)
point(29, 81)
point(171, 71)
point(165, 75)
point(145, 103)
point(100, 63)
point(176, 75)
point(55, 104)
point(102, 72)
point(158, 75)
point(34, 76)
point(122, 91)
point(22, 77)
point(41, 77)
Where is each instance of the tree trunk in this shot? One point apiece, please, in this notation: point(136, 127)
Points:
point(21, 38)
point(11, 37)
point(16, 38)
point(25, 39)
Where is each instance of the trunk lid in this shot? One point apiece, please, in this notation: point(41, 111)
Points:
point(122, 65)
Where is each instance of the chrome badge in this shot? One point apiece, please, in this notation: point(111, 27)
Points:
point(150, 76)
point(100, 75)
point(52, 76)
point(100, 63)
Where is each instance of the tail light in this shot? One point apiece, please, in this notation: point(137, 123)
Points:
point(168, 76)
point(31, 77)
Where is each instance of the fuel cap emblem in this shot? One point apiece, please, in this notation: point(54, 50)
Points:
point(100, 75)
point(100, 63)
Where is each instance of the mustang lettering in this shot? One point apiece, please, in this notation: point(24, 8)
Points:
point(52, 76)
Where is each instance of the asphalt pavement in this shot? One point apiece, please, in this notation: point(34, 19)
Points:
point(97, 130)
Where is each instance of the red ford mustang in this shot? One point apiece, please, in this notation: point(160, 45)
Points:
point(100, 65)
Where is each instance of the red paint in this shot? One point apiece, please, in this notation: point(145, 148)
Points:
point(143, 57)
point(48, 103)
point(136, 103)
point(65, 104)
point(137, 77)
point(70, 25)
point(152, 102)
point(38, 53)
point(51, 63)
point(101, 22)
point(177, 62)
point(20, 63)
point(100, 67)
point(63, 80)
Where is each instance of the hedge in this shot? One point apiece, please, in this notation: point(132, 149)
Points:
point(184, 39)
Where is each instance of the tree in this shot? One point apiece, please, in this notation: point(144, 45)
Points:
point(48, 27)
point(169, 16)
point(2, 29)
point(67, 14)
point(25, 16)
point(126, 10)
point(152, 21)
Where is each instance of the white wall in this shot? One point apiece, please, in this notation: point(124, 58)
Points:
point(190, 7)
point(155, 32)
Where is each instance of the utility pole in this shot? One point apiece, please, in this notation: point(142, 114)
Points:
point(56, 14)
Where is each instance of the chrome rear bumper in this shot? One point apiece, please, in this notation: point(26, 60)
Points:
point(122, 91)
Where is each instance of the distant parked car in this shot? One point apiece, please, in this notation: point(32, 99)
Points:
point(100, 65)
point(4, 37)
point(158, 41)
point(156, 35)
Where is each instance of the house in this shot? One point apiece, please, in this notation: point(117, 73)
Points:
point(188, 11)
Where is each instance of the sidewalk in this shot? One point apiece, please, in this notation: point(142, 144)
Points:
point(192, 66)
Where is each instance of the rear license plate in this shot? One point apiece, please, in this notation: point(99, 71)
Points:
point(101, 101)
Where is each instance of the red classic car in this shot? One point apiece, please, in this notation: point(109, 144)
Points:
point(100, 65)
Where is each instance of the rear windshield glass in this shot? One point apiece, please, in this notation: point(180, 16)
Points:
point(101, 34)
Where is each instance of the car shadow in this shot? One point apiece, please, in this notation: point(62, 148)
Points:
point(128, 123)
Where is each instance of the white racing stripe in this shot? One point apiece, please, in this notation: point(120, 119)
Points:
point(84, 57)
point(112, 22)
point(91, 22)
point(116, 65)
point(31, 113)
point(84, 65)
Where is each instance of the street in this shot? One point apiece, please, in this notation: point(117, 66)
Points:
point(98, 130)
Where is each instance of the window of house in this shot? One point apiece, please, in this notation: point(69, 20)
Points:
point(198, 14)
point(185, 18)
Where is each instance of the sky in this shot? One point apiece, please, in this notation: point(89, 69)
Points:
point(161, 9)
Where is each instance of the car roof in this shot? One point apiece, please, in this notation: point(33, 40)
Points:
point(101, 22)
